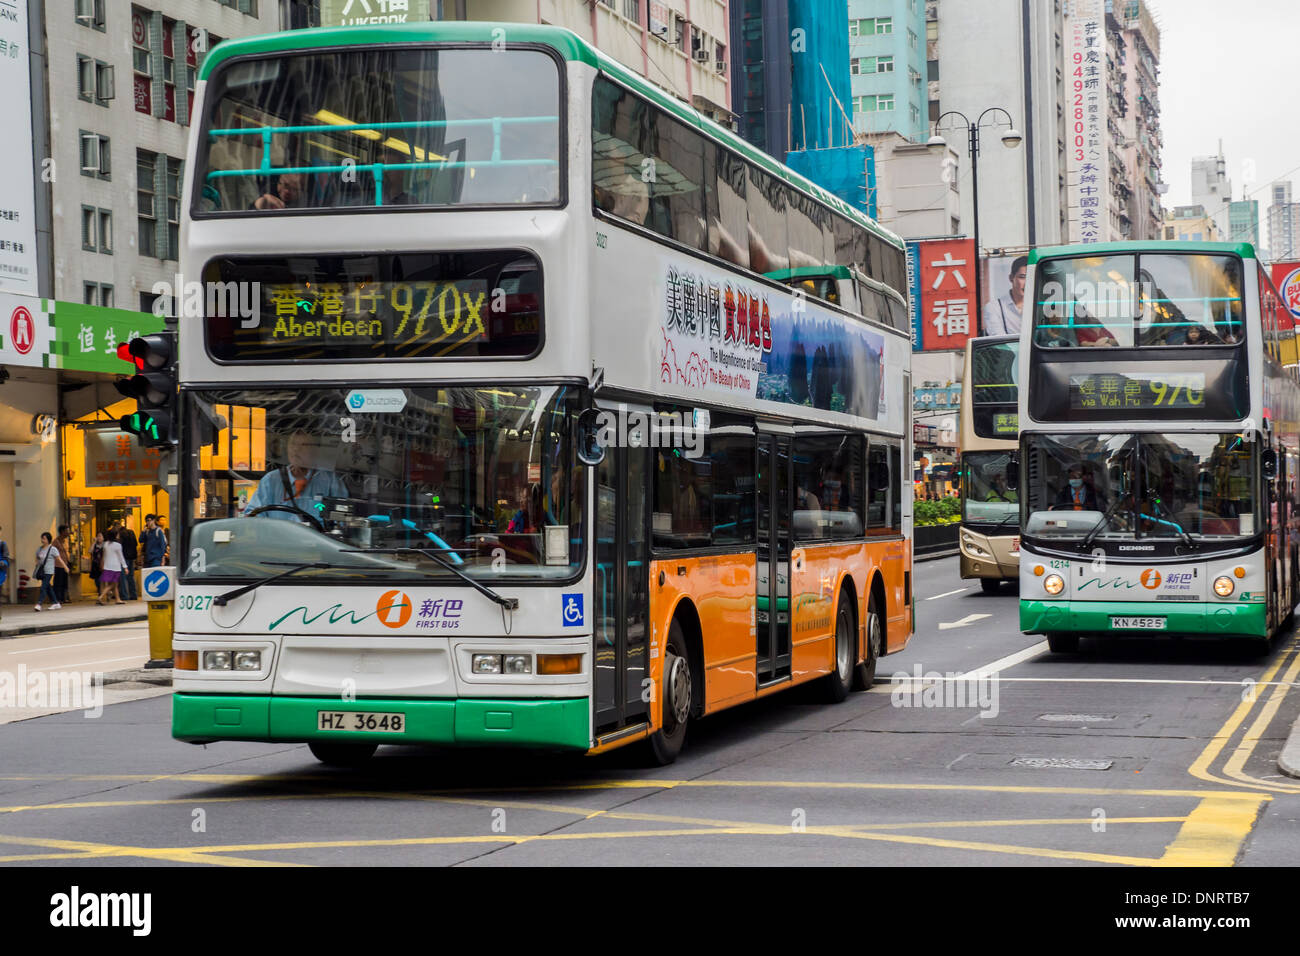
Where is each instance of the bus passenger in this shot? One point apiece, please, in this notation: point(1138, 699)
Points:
point(289, 191)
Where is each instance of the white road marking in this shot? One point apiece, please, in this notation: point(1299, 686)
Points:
point(1011, 660)
point(72, 664)
point(59, 647)
point(947, 594)
point(965, 621)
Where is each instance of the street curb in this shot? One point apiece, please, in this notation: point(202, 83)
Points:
point(918, 558)
point(1288, 761)
point(25, 630)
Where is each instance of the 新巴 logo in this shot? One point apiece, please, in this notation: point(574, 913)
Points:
point(1150, 579)
point(393, 608)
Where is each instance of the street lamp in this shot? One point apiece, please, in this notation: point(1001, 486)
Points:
point(1010, 139)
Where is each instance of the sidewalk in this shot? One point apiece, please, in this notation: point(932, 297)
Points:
point(1288, 761)
point(17, 620)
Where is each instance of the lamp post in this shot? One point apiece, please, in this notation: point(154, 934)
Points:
point(1010, 139)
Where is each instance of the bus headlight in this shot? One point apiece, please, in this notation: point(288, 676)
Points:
point(1053, 584)
point(216, 660)
point(971, 545)
point(248, 660)
point(1223, 585)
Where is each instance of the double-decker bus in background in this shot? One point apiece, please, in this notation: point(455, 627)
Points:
point(989, 536)
point(482, 253)
point(1158, 445)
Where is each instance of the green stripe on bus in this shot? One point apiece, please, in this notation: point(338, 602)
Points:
point(1243, 249)
point(561, 723)
point(1093, 617)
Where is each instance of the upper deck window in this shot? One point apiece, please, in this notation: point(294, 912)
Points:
point(1143, 301)
point(373, 128)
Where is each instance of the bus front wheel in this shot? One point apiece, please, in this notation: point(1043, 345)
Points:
point(666, 742)
point(1063, 643)
point(342, 755)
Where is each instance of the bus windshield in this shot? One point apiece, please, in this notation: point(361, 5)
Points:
point(986, 497)
point(1146, 485)
point(1147, 300)
point(381, 127)
point(482, 478)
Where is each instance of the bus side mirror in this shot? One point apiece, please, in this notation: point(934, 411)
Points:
point(1268, 463)
point(590, 449)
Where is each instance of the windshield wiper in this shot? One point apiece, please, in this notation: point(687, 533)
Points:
point(1105, 520)
point(224, 599)
point(509, 603)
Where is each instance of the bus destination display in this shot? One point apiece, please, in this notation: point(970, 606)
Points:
point(1142, 391)
point(409, 305)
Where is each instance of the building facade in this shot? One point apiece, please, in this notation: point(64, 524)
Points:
point(917, 195)
point(1212, 189)
point(1191, 224)
point(1283, 223)
point(1243, 222)
point(887, 66)
point(1141, 126)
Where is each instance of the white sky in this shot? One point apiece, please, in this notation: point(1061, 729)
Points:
point(1228, 71)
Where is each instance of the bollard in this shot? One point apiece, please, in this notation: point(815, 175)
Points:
point(159, 586)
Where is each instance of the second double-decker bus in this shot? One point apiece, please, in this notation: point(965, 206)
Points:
point(1158, 417)
point(558, 416)
point(989, 536)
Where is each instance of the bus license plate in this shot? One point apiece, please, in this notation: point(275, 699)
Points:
point(1138, 623)
point(368, 721)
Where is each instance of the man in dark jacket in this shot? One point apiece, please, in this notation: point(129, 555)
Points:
point(154, 540)
point(131, 552)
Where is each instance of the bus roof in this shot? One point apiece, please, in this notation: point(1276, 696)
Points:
point(567, 44)
point(1243, 249)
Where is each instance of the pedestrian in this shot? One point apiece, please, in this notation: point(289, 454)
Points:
point(61, 575)
point(47, 562)
point(154, 542)
point(97, 560)
point(130, 553)
point(4, 562)
point(114, 564)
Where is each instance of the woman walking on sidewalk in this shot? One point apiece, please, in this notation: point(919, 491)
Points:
point(97, 560)
point(4, 562)
point(47, 562)
point(114, 565)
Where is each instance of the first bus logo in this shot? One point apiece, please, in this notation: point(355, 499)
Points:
point(1150, 579)
point(393, 608)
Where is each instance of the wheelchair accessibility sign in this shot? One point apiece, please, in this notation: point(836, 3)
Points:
point(572, 614)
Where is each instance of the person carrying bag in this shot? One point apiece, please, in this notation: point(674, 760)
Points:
point(48, 560)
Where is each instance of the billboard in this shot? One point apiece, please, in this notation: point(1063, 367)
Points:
point(1087, 158)
point(947, 293)
point(1002, 291)
point(17, 197)
point(354, 13)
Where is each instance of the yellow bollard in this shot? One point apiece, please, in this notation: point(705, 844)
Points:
point(161, 618)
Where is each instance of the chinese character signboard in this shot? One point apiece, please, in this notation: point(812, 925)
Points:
point(17, 192)
point(87, 336)
point(947, 293)
point(1088, 159)
point(352, 13)
point(116, 458)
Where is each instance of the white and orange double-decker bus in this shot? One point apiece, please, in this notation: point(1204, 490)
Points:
point(558, 416)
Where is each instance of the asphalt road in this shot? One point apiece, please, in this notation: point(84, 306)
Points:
point(1139, 754)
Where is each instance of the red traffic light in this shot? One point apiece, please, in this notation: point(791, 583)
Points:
point(124, 353)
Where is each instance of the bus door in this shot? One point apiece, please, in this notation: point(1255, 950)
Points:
point(622, 590)
point(772, 606)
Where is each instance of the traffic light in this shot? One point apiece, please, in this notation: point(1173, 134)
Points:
point(153, 386)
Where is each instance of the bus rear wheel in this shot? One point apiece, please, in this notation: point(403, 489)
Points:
point(990, 585)
point(864, 675)
point(666, 743)
point(334, 754)
point(836, 684)
point(1063, 643)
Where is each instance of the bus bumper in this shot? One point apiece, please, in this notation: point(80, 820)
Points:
point(1093, 617)
point(566, 723)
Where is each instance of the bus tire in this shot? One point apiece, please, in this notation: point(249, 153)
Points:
point(990, 585)
point(334, 754)
point(836, 684)
point(676, 693)
point(864, 675)
point(1063, 643)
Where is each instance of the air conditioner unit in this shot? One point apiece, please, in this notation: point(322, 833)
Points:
point(721, 66)
point(702, 56)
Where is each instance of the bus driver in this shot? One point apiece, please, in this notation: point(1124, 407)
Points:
point(296, 485)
